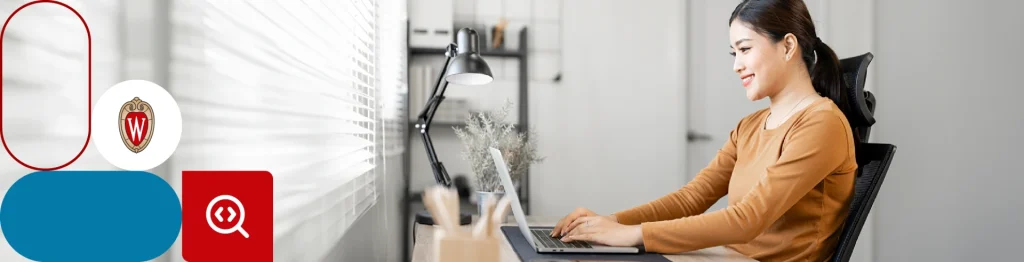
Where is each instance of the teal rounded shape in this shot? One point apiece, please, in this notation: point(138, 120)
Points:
point(90, 216)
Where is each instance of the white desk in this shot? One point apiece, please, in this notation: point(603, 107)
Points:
point(423, 249)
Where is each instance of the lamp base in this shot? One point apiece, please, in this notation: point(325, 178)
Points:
point(424, 217)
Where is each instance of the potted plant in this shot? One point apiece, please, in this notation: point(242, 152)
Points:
point(488, 129)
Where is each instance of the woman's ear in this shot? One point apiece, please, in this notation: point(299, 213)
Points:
point(790, 45)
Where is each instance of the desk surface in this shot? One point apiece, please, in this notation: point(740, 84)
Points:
point(423, 249)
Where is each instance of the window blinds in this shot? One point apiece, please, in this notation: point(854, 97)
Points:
point(290, 87)
point(392, 17)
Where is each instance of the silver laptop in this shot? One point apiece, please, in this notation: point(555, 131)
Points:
point(540, 238)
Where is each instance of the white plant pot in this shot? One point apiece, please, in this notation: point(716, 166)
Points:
point(481, 200)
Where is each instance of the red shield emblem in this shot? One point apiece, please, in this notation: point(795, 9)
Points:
point(137, 122)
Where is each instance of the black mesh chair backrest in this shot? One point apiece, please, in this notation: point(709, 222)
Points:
point(872, 159)
point(862, 103)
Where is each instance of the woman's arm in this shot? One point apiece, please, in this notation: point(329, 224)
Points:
point(710, 184)
point(815, 148)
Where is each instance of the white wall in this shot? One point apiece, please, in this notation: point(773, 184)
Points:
point(613, 127)
point(948, 91)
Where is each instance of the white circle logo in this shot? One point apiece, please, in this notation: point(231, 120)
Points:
point(136, 125)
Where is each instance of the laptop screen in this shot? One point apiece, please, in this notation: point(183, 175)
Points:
point(510, 191)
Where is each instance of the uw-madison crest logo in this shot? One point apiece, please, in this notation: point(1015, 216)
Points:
point(137, 123)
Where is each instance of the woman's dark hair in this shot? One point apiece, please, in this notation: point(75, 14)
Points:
point(775, 19)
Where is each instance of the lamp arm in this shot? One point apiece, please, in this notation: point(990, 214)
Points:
point(440, 173)
point(435, 98)
point(427, 116)
point(437, 103)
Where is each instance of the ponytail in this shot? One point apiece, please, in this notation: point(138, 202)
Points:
point(827, 78)
point(826, 75)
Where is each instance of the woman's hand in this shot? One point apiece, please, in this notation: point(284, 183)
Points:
point(605, 231)
point(562, 227)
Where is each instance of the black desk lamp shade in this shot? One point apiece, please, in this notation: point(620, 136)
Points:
point(468, 68)
point(464, 66)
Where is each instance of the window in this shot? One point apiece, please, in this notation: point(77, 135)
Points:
point(295, 88)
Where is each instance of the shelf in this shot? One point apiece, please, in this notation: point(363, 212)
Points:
point(435, 125)
point(445, 125)
point(440, 51)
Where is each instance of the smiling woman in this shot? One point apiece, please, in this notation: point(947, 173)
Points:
point(788, 169)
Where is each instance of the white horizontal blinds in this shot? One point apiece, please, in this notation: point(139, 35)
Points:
point(45, 82)
point(393, 66)
point(288, 87)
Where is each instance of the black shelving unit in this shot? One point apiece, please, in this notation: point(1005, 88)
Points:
point(411, 201)
point(485, 53)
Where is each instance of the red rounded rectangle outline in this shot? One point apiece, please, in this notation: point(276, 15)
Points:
point(88, 135)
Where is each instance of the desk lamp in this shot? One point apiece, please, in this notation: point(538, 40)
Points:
point(464, 66)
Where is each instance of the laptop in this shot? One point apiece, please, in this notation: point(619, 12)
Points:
point(540, 238)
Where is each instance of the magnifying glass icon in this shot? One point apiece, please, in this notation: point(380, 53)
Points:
point(231, 215)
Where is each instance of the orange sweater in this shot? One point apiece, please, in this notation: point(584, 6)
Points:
point(789, 190)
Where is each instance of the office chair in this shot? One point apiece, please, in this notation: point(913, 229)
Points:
point(873, 159)
point(862, 103)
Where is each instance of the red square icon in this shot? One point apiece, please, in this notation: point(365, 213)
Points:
point(227, 216)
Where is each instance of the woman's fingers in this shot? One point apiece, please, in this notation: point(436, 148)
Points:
point(575, 224)
point(562, 227)
point(559, 229)
point(578, 237)
point(576, 216)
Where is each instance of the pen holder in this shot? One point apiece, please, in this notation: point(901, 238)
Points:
point(453, 242)
point(462, 246)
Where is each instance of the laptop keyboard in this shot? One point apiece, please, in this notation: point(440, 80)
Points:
point(543, 237)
